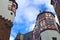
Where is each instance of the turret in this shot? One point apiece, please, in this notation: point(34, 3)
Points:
point(7, 13)
point(45, 24)
point(8, 9)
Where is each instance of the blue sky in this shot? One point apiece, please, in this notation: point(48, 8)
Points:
point(26, 15)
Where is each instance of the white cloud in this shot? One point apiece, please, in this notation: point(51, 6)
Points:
point(39, 2)
point(32, 27)
point(27, 13)
point(11, 38)
point(30, 13)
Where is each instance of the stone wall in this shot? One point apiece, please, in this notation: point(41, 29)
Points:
point(5, 27)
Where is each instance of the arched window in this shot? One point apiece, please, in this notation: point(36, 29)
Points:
point(44, 23)
point(41, 23)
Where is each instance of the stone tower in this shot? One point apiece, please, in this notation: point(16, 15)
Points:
point(7, 13)
point(46, 27)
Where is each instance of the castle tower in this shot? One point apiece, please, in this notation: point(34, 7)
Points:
point(7, 14)
point(8, 9)
point(46, 27)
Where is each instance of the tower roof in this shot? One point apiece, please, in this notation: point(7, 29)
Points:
point(15, 3)
point(43, 13)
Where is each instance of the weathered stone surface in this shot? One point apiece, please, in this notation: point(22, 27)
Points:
point(5, 26)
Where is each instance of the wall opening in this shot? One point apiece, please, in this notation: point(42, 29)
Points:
point(54, 38)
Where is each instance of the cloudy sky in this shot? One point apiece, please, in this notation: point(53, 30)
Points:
point(26, 15)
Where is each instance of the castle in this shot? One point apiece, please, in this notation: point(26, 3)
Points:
point(49, 29)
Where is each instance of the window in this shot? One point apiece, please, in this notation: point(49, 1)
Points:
point(46, 14)
point(40, 37)
point(49, 14)
point(44, 23)
point(49, 22)
point(11, 13)
point(36, 27)
point(41, 23)
point(54, 38)
point(41, 16)
point(39, 27)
